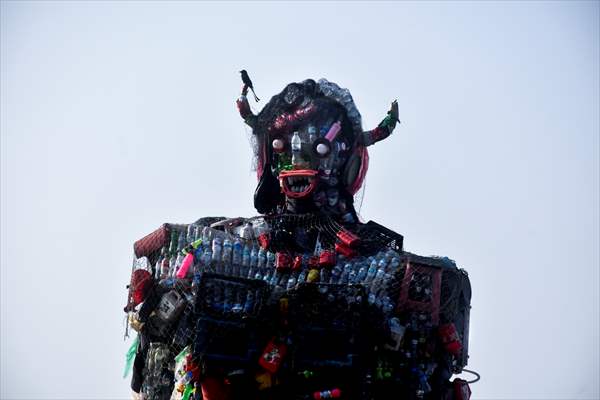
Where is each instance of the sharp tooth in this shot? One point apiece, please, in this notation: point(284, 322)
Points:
point(304, 187)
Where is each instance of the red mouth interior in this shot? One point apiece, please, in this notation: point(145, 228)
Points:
point(299, 183)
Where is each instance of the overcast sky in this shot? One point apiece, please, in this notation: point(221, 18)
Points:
point(117, 117)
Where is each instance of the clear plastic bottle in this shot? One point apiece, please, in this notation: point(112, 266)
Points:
point(261, 227)
point(158, 265)
point(378, 282)
point(253, 262)
point(296, 148)
point(387, 306)
point(389, 255)
point(173, 243)
point(312, 133)
point(352, 277)
point(254, 256)
point(291, 282)
point(270, 260)
point(336, 273)
point(345, 276)
point(247, 231)
point(362, 273)
point(227, 251)
point(245, 261)
point(189, 236)
point(164, 268)
point(302, 276)
point(262, 259)
point(206, 237)
point(173, 265)
point(266, 276)
point(237, 252)
point(181, 243)
point(217, 253)
point(206, 259)
point(371, 272)
point(275, 277)
point(371, 298)
point(394, 265)
point(382, 264)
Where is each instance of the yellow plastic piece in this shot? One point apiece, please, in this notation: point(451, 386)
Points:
point(264, 380)
point(313, 275)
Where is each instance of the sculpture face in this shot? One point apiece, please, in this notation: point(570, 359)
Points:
point(309, 147)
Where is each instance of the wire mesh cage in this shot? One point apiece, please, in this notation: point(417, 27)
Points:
point(328, 322)
point(230, 312)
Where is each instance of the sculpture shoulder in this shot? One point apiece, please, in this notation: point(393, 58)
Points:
point(372, 232)
point(152, 243)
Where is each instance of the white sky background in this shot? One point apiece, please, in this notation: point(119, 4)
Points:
point(117, 117)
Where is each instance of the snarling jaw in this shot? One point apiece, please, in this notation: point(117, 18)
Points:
point(298, 184)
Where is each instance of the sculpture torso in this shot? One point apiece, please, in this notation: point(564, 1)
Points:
point(276, 296)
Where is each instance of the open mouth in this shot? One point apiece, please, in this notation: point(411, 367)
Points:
point(298, 183)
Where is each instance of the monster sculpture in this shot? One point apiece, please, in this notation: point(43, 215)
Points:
point(303, 301)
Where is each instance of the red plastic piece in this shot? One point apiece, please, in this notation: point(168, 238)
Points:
point(327, 258)
point(450, 338)
point(152, 243)
point(190, 365)
point(141, 282)
point(272, 356)
point(348, 238)
point(345, 250)
point(328, 394)
point(263, 240)
point(313, 262)
point(243, 107)
point(297, 264)
point(215, 389)
point(286, 119)
point(282, 260)
point(462, 391)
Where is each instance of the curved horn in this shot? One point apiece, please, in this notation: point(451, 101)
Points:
point(244, 108)
point(383, 130)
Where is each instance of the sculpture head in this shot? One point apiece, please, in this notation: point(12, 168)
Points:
point(310, 148)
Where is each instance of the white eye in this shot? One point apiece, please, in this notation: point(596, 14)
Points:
point(322, 149)
point(278, 145)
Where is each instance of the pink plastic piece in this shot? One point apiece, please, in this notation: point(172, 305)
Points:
point(185, 265)
point(364, 166)
point(333, 131)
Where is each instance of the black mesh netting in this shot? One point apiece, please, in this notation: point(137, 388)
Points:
point(288, 306)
